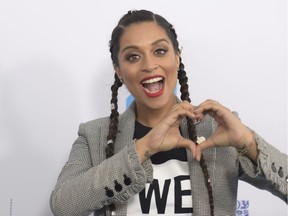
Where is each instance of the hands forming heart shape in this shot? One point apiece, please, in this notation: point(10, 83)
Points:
point(230, 131)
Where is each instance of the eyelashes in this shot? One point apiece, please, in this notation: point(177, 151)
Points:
point(135, 56)
point(132, 57)
point(160, 51)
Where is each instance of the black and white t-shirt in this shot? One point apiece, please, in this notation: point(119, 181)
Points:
point(170, 191)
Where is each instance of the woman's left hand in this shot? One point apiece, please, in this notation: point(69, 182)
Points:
point(230, 131)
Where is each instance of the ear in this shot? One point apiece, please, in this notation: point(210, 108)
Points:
point(177, 56)
point(117, 71)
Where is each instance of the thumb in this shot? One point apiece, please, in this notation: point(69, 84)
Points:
point(188, 144)
point(202, 145)
point(208, 143)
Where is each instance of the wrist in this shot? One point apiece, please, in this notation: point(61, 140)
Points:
point(249, 147)
point(142, 150)
point(247, 142)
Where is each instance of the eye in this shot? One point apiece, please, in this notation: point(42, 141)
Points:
point(160, 51)
point(132, 57)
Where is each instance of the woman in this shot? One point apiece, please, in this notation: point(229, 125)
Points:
point(147, 160)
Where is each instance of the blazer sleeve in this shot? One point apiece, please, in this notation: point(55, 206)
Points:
point(270, 172)
point(82, 188)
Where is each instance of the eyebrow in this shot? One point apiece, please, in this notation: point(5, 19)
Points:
point(154, 43)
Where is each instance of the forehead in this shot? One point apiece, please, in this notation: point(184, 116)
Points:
point(140, 34)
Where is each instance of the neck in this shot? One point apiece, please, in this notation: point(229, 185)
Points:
point(151, 117)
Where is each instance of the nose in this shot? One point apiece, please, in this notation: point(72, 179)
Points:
point(149, 65)
point(152, 68)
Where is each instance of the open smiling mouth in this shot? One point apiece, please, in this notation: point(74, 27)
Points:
point(153, 87)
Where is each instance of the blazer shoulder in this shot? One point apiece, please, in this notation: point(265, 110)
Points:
point(93, 126)
point(124, 119)
point(97, 122)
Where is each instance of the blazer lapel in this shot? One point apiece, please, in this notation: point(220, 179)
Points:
point(126, 128)
point(198, 188)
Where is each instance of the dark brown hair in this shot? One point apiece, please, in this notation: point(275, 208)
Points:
point(138, 17)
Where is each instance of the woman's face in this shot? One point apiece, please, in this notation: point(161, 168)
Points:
point(148, 65)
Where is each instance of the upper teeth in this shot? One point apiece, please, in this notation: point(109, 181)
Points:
point(152, 80)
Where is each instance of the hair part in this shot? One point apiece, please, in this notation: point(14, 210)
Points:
point(140, 16)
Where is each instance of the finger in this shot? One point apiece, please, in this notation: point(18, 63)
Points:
point(209, 101)
point(184, 105)
point(198, 153)
point(206, 106)
point(208, 143)
point(181, 112)
point(188, 144)
point(213, 108)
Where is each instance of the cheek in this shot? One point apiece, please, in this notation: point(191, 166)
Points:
point(172, 71)
point(172, 63)
point(128, 75)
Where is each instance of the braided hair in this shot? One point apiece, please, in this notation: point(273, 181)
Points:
point(182, 78)
point(138, 17)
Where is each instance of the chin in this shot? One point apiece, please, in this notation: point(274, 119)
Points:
point(161, 102)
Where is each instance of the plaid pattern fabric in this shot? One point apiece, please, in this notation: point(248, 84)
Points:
point(88, 177)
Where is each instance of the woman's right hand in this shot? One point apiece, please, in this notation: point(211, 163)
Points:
point(166, 134)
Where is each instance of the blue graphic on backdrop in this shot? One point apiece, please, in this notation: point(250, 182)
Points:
point(242, 208)
point(129, 100)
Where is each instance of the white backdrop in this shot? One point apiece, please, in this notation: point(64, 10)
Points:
point(55, 72)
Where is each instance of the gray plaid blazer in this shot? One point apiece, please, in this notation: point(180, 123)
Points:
point(87, 182)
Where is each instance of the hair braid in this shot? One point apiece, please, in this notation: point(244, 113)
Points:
point(183, 81)
point(113, 126)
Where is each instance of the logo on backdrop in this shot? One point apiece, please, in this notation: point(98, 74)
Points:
point(11, 207)
point(242, 208)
